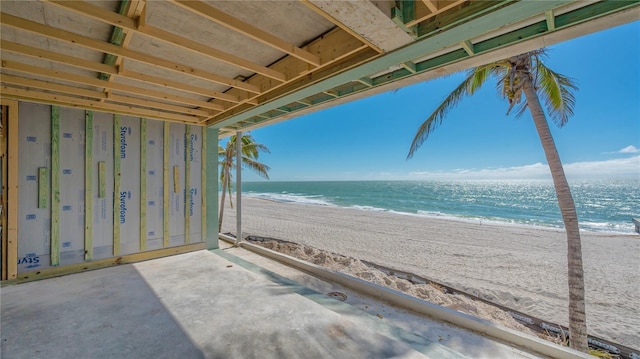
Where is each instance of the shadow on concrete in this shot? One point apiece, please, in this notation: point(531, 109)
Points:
point(109, 313)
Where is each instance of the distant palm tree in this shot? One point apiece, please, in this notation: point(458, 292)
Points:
point(526, 74)
point(227, 157)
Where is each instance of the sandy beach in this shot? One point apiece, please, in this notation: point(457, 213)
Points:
point(521, 267)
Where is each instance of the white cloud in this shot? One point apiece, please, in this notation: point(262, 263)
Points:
point(624, 167)
point(629, 149)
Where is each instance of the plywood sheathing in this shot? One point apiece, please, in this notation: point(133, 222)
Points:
point(366, 19)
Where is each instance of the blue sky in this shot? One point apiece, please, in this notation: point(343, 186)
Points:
point(368, 139)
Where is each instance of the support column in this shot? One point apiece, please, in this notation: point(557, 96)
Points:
point(212, 188)
point(238, 187)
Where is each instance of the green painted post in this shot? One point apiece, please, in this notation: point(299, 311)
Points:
point(88, 186)
point(55, 185)
point(43, 187)
point(143, 184)
point(212, 187)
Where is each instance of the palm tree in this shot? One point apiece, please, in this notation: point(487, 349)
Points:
point(526, 74)
point(226, 157)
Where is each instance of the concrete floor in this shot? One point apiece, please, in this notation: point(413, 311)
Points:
point(222, 304)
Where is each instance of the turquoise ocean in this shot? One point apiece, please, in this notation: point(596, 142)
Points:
point(602, 205)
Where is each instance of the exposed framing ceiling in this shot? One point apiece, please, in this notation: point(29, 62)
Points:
point(236, 69)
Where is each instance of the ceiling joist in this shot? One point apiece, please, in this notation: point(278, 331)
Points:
point(249, 30)
point(97, 45)
point(141, 27)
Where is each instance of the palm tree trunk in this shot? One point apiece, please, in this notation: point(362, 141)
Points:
point(577, 314)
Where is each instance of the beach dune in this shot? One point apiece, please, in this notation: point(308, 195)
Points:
point(521, 267)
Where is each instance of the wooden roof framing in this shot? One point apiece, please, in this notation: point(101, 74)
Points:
point(241, 65)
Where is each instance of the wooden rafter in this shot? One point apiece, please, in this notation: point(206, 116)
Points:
point(87, 42)
point(142, 27)
point(86, 80)
point(112, 70)
point(434, 10)
point(249, 30)
point(49, 98)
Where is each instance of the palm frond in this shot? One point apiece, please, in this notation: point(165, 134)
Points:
point(556, 91)
point(473, 81)
point(257, 167)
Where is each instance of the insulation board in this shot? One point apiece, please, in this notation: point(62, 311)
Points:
point(102, 182)
point(176, 184)
point(72, 142)
point(34, 224)
point(155, 182)
point(128, 200)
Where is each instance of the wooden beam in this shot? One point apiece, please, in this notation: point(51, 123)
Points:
point(448, 6)
point(203, 184)
point(100, 46)
point(344, 27)
point(128, 24)
point(112, 70)
point(69, 90)
point(56, 57)
point(410, 66)
point(177, 85)
point(249, 30)
point(86, 80)
point(431, 5)
point(468, 47)
point(48, 98)
point(4, 124)
point(12, 190)
point(551, 20)
point(104, 263)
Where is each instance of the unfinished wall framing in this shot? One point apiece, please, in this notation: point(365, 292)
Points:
point(94, 186)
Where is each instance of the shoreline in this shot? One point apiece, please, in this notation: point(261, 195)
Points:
point(451, 217)
point(520, 266)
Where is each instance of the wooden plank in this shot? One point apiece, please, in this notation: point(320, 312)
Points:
point(187, 183)
point(116, 185)
point(176, 179)
point(88, 186)
point(110, 69)
point(249, 30)
point(49, 98)
point(101, 46)
point(104, 263)
point(143, 184)
point(55, 185)
point(43, 187)
point(165, 192)
point(102, 179)
point(3, 191)
point(12, 190)
point(130, 25)
point(203, 184)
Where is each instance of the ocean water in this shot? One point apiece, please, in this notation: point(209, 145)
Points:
point(602, 205)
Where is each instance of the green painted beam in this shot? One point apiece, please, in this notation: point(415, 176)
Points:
point(143, 184)
point(117, 37)
point(211, 187)
point(55, 185)
point(88, 185)
point(102, 179)
point(116, 184)
point(493, 21)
